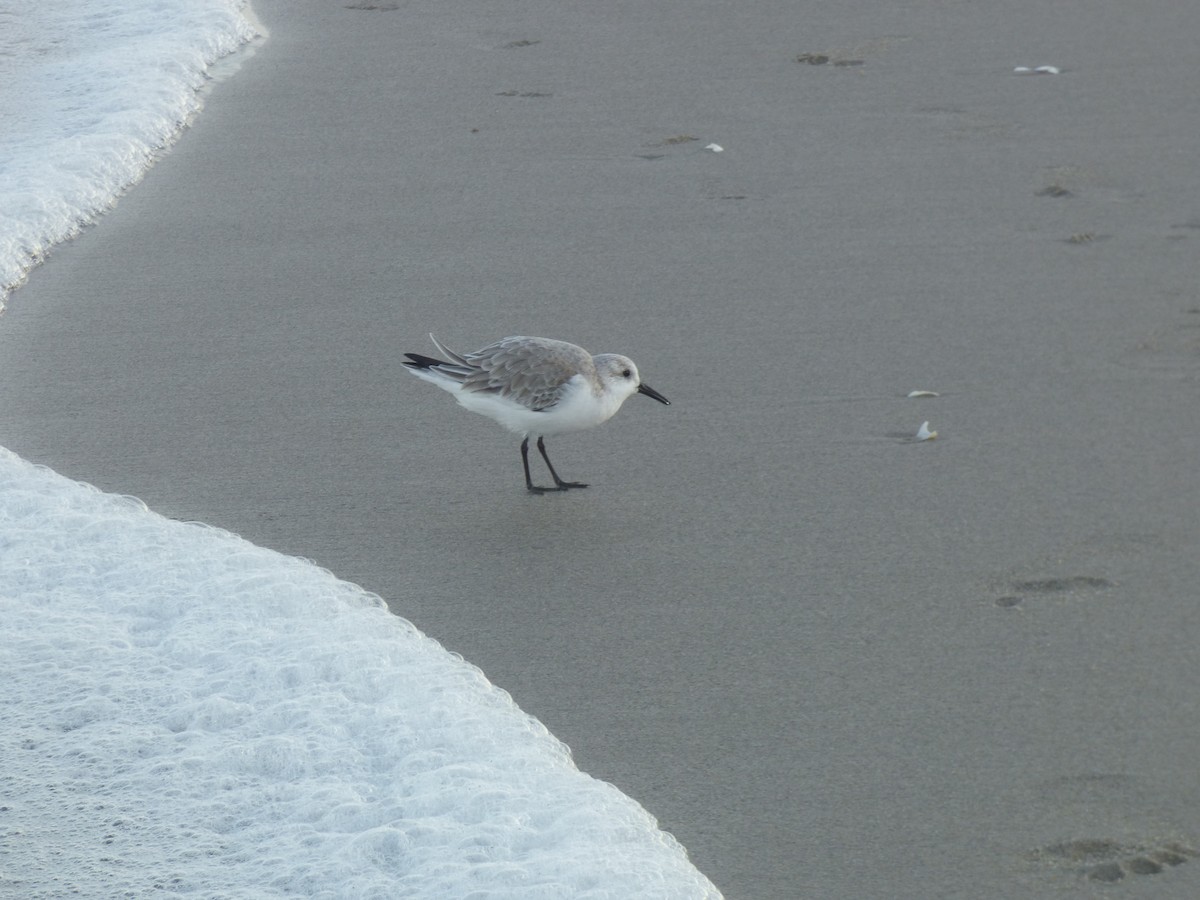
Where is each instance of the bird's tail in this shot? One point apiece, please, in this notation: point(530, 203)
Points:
point(420, 361)
point(455, 358)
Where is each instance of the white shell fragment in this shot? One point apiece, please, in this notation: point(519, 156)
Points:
point(924, 434)
point(915, 394)
point(1040, 70)
point(715, 148)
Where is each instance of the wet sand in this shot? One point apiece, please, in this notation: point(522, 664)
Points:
point(833, 661)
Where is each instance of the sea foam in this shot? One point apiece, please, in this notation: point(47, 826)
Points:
point(90, 92)
point(183, 712)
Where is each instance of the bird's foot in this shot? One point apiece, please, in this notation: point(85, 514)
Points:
point(561, 486)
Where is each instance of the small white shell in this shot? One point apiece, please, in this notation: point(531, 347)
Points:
point(924, 434)
point(715, 148)
point(915, 394)
point(1022, 70)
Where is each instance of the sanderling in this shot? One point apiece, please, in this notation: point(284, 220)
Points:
point(536, 387)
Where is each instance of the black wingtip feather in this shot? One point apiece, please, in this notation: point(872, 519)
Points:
point(417, 361)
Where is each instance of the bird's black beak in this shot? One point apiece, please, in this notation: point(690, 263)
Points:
point(644, 388)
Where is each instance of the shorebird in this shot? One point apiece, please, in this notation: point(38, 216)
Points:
point(536, 387)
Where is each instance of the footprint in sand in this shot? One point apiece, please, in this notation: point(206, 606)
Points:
point(1106, 860)
point(1173, 350)
point(851, 57)
point(1127, 827)
point(1074, 585)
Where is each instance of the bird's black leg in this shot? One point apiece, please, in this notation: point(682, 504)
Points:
point(525, 462)
point(559, 483)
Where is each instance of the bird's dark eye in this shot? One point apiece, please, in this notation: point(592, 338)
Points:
point(627, 374)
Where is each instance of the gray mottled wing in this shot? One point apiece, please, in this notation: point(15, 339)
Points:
point(529, 371)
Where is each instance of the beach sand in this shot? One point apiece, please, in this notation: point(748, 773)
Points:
point(833, 661)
